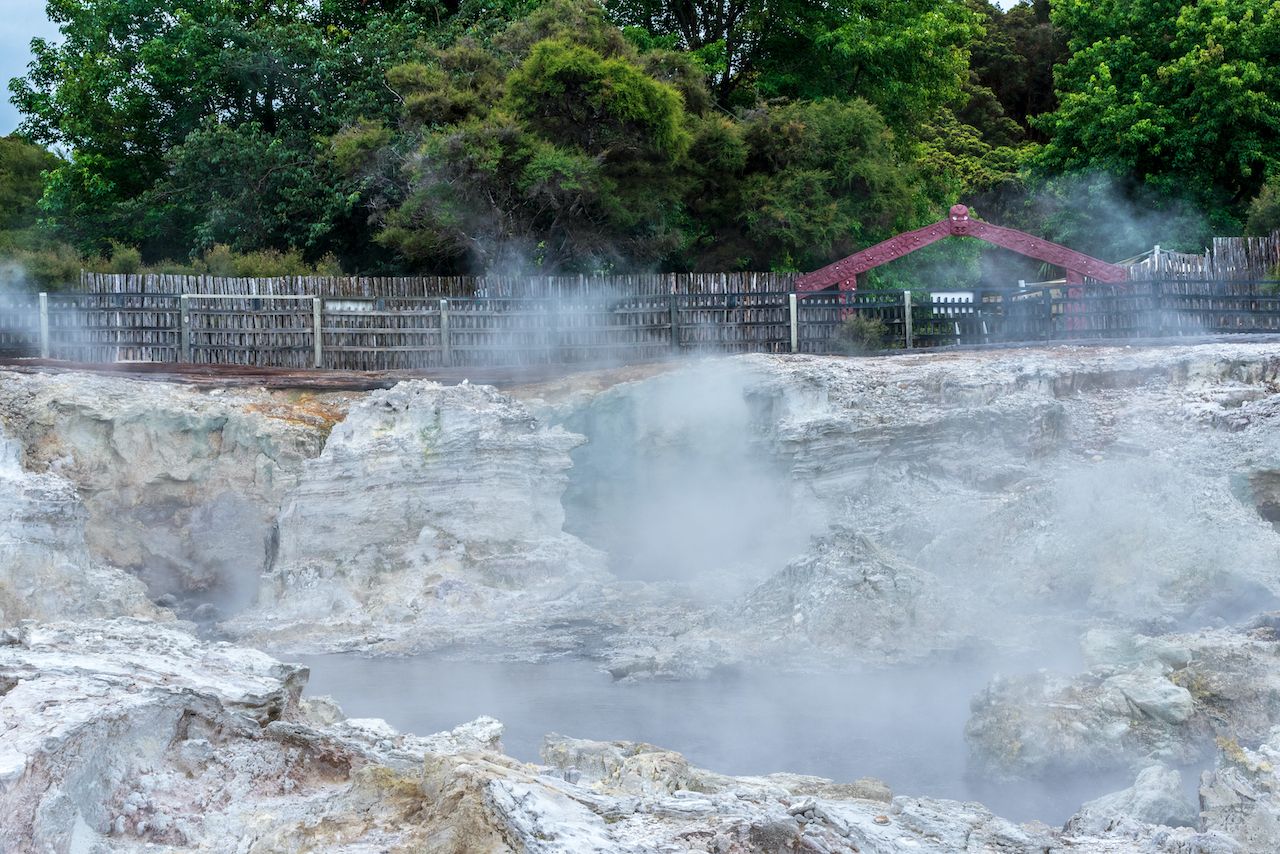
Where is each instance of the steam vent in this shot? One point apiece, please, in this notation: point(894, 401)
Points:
point(1002, 600)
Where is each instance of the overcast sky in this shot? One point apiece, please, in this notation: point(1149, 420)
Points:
point(23, 20)
point(20, 22)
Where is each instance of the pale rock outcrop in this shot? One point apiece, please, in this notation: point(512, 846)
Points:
point(432, 511)
point(852, 599)
point(181, 486)
point(1165, 699)
point(1044, 486)
point(46, 572)
point(1146, 692)
point(1037, 492)
point(1156, 798)
point(122, 734)
point(1241, 797)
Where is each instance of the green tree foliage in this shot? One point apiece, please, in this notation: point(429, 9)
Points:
point(131, 80)
point(560, 145)
point(1264, 211)
point(244, 187)
point(1182, 98)
point(551, 147)
point(906, 57)
point(21, 185)
point(28, 255)
point(557, 135)
point(796, 185)
point(1014, 60)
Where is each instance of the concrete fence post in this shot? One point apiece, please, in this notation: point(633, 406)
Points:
point(673, 312)
point(184, 328)
point(317, 317)
point(792, 307)
point(446, 352)
point(44, 325)
point(906, 317)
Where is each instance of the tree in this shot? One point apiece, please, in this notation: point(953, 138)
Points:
point(1182, 98)
point(22, 166)
point(906, 57)
point(560, 145)
point(1016, 57)
point(246, 188)
point(552, 148)
point(131, 81)
point(796, 185)
point(1264, 211)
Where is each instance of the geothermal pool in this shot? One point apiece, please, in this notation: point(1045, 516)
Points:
point(904, 726)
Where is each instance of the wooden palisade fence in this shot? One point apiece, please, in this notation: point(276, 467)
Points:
point(425, 323)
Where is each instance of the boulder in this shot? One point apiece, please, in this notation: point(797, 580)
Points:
point(1156, 797)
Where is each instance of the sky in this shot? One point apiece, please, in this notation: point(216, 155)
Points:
point(20, 22)
point(23, 20)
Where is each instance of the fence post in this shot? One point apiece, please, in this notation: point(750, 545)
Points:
point(446, 354)
point(184, 328)
point(317, 311)
point(906, 316)
point(673, 309)
point(1157, 298)
point(44, 325)
point(795, 322)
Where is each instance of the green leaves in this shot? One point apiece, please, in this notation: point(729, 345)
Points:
point(134, 83)
point(1183, 97)
point(21, 184)
point(446, 135)
point(606, 107)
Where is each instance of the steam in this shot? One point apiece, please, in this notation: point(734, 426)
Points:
point(678, 481)
point(10, 457)
point(1114, 218)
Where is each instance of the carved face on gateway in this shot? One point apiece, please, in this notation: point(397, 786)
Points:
point(959, 219)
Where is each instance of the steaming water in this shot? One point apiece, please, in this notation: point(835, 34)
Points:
point(903, 726)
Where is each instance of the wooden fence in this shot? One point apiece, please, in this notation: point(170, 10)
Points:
point(1227, 259)
point(410, 287)
point(586, 326)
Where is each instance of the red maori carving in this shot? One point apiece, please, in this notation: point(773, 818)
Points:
point(844, 273)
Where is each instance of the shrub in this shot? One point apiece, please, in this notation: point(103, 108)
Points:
point(124, 259)
point(1264, 211)
point(862, 334)
point(270, 263)
point(220, 260)
point(50, 268)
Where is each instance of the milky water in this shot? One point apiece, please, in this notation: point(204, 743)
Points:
point(904, 726)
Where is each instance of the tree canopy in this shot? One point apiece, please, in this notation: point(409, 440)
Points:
point(464, 135)
point(1180, 100)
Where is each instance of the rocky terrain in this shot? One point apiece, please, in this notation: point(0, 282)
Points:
point(1106, 514)
point(125, 735)
point(180, 487)
point(46, 571)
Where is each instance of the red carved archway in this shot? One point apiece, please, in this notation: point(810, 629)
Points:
point(845, 273)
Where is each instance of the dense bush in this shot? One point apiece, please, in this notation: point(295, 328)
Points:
point(860, 333)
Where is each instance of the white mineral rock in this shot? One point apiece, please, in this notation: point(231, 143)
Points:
point(180, 487)
point(430, 508)
point(46, 572)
